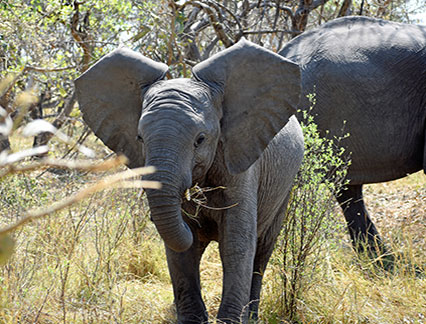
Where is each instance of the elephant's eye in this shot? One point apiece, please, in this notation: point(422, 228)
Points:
point(200, 139)
point(139, 139)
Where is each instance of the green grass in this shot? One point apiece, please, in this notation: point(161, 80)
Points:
point(101, 261)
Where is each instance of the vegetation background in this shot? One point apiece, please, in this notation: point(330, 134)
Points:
point(101, 261)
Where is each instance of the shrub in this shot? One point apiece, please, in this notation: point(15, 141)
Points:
point(310, 217)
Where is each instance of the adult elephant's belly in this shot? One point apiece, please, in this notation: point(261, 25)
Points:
point(378, 164)
point(380, 149)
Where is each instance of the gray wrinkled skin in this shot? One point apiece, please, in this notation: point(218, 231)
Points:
point(372, 74)
point(232, 125)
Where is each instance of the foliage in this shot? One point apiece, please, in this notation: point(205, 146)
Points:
point(49, 43)
point(310, 219)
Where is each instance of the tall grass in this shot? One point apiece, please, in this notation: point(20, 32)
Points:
point(77, 266)
point(117, 271)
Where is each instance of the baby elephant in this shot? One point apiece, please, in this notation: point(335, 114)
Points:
point(231, 125)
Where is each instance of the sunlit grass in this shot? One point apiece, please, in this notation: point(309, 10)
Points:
point(345, 289)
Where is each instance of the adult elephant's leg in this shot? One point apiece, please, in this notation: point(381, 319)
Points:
point(184, 268)
point(361, 229)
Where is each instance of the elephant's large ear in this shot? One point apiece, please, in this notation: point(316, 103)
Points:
point(110, 97)
point(260, 92)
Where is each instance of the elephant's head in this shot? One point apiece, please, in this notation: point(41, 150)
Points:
point(240, 98)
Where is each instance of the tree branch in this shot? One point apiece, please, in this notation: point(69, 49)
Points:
point(271, 31)
point(344, 8)
point(216, 24)
point(44, 138)
point(209, 48)
point(47, 70)
point(80, 35)
point(237, 21)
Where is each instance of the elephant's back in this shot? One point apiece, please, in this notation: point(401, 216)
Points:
point(369, 79)
point(351, 38)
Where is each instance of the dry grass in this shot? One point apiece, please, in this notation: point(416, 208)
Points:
point(400, 211)
point(345, 289)
point(101, 261)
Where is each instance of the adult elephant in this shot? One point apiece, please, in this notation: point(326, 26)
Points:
point(370, 73)
point(230, 125)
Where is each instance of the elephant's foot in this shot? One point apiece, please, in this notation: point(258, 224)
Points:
point(232, 314)
point(193, 319)
point(192, 315)
point(191, 310)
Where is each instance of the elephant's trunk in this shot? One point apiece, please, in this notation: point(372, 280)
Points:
point(165, 205)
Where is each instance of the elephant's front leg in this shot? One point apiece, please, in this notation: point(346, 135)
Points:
point(184, 271)
point(237, 244)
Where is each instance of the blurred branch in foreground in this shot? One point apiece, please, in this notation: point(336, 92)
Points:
point(123, 179)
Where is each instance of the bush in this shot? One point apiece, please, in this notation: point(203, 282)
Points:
point(310, 218)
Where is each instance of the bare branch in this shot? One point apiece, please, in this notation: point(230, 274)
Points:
point(216, 24)
point(237, 20)
point(361, 8)
point(191, 19)
point(344, 9)
point(62, 164)
point(382, 8)
point(44, 138)
point(272, 31)
point(209, 48)
point(47, 70)
point(302, 13)
point(317, 3)
point(80, 35)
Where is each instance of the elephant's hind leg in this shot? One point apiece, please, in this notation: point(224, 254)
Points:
point(264, 249)
point(263, 254)
point(361, 229)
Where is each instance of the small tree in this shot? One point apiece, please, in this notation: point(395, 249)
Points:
point(310, 216)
